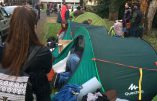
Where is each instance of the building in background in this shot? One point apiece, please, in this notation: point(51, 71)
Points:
point(60, 1)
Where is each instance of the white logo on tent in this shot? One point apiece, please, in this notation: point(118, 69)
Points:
point(133, 87)
point(133, 90)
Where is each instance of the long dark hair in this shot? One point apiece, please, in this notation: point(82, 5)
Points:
point(21, 36)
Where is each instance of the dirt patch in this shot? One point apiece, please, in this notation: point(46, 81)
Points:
point(51, 19)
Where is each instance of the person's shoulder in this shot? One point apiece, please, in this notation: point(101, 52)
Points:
point(44, 49)
point(41, 49)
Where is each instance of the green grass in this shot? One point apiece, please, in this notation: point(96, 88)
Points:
point(108, 23)
point(151, 39)
point(52, 30)
point(155, 98)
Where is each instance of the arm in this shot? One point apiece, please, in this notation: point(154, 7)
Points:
point(41, 63)
point(45, 59)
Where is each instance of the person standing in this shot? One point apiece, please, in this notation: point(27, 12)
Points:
point(19, 45)
point(126, 19)
point(63, 11)
point(136, 22)
point(48, 10)
point(37, 6)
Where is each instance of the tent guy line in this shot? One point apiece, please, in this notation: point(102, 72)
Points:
point(120, 64)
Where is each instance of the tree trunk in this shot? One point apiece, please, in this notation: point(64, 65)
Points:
point(150, 15)
point(113, 16)
point(113, 9)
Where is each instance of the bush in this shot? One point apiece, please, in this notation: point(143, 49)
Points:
point(101, 10)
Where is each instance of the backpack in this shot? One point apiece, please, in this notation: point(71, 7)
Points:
point(13, 88)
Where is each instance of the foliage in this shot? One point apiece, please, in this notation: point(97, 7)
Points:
point(53, 29)
point(102, 10)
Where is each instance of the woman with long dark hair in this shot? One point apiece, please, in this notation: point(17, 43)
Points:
point(20, 42)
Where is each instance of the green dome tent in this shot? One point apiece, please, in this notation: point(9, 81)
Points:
point(96, 20)
point(67, 36)
point(116, 63)
point(72, 27)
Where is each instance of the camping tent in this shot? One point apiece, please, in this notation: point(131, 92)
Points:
point(96, 20)
point(116, 62)
point(72, 27)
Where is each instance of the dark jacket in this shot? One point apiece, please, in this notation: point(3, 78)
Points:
point(136, 18)
point(38, 69)
point(127, 16)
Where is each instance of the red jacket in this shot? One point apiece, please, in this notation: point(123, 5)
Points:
point(63, 11)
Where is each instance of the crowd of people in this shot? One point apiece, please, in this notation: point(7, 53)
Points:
point(132, 20)
point(131, 24)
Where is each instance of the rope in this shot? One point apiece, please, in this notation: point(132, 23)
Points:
point(120, 64)
point(140, 84)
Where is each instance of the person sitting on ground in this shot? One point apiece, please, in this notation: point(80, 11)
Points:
point(73, 60)
point(71, 65)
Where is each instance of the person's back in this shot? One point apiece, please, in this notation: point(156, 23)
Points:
point(136, 22)
point(63, 11)
point(118, 28)
point(137, 17)
point(20, 44)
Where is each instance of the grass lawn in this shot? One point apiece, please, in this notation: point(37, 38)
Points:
point(152, 39)
point(51, 30)
point(155, 98)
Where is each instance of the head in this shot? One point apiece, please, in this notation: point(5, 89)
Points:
point(127, 5)
point(136, 6)
point(89, 21)
point(78, 8)
point(64, 3)
point(111, 95)
point(21, 36)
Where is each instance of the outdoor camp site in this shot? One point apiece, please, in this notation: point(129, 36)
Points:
point(78, 50)
point(126, 65)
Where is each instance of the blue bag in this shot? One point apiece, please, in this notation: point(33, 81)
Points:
point(68, 93)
